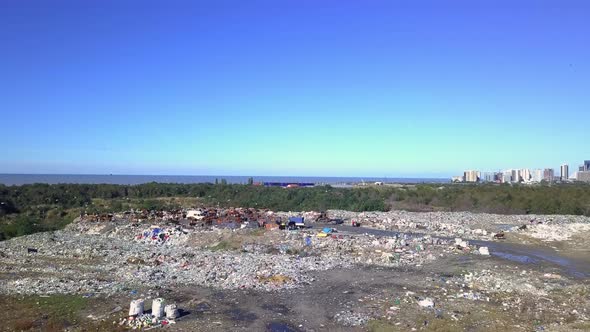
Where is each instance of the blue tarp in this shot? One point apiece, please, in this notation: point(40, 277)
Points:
point(296, 219)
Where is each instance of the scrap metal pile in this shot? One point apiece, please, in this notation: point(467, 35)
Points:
point(225, 217)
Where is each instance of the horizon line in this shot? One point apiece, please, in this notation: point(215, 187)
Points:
point(218, 175)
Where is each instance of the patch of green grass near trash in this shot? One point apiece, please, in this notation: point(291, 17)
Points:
point(489, 318)
point(59, 306)
point(581, 326)
point(52, 313)
point(225, 246)
point(258, 232)
point(381, 325)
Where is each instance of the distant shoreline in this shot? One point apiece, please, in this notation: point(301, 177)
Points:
point(20, 179)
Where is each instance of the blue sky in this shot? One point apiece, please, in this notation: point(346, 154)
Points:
point(342, 88)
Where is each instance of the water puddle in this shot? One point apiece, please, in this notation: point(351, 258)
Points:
point(536, 256)
point(515, 258)
point(278, 308)
point(241, 315)
point(279, 327)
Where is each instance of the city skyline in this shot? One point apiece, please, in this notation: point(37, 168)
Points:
point(535, 174)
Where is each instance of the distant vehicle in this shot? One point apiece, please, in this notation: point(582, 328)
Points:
point(292, 223)
point(194, 214)
point(356, 224)
point(337, 221)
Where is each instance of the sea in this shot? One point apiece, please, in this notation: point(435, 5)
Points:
point(20, 179)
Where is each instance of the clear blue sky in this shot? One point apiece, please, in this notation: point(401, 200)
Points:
point(343, 88)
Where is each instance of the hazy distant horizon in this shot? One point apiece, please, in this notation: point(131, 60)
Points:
point(20, 179)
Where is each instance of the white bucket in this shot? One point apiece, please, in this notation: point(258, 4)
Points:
point(158, 308)
point(171, 311)
point(136, 307)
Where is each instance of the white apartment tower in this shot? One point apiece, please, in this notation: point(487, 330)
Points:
point(537, 175)
point(525, 174)
point(470, 176)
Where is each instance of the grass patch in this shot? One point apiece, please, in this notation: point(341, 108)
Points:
point(226, 246)
point(258, 232)
point(381, 325)
point(53, 313)
point(293, 251)
point(581, 326)
point(59, 306)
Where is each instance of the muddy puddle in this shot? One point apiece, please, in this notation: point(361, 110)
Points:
point(279, 327)
point(537, 255)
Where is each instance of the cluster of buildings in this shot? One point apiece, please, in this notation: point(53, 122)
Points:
point(526, 175)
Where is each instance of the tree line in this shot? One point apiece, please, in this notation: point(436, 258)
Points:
point(39, 207)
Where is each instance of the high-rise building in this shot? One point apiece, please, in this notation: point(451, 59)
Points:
point(470, 176)
point(515, 175)
point(581, 168)
point(586, 165)
point(537, 175)
point(487, 177)
point(525, 174)
point(548, 174)
point(565, 172)
point(498, 177)
point(507, 176)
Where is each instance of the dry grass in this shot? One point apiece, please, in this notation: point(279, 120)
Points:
point(275, 279)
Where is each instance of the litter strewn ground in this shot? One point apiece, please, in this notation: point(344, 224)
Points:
point(228, 271)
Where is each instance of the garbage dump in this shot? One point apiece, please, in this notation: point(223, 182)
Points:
point(242, 251)
point(480, 226)
point(164, 253)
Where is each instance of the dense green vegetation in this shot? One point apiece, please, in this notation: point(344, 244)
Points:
point(32, 208)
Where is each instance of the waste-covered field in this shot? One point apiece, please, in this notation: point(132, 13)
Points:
point(398, 271)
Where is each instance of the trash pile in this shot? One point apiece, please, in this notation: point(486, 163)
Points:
point(518, 281)
point(443, 224)
point(481, 226)
point(131, 255)
point(552, 231)
point(84, 259)
point(221, 217)
point(160, 315)
point(159, 235)
point(351, 318)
